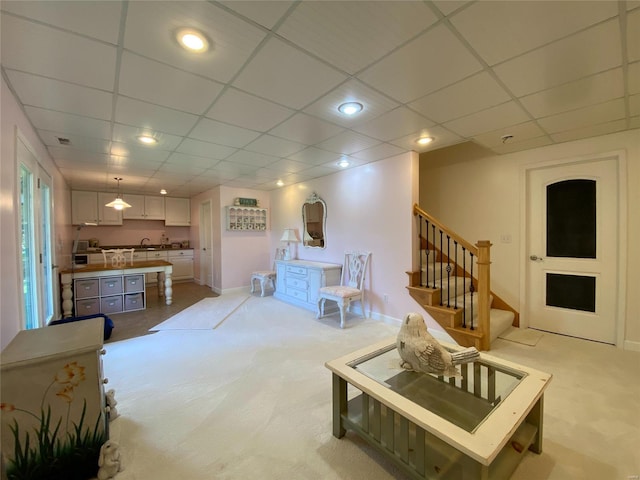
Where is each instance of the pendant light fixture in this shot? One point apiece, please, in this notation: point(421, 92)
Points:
point(118, 203)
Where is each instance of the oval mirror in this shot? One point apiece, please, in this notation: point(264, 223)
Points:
point(314, 215)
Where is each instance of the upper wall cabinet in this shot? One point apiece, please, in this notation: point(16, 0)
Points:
point(89, 207)
point(143, 207)
point(177, 212)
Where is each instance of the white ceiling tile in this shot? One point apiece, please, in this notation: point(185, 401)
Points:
point(231, 170)
point(266, 13)
point(348, 142)
point(151, 27)
point(384, 150)
point(52, 53)
point(61, 96)
point(76, 141)
point(139, 152)
point(442, 138)
point(394, 124)
point(634, 77)
point(353, 35)
point(564, 61)
point(216, 132)
point(129, 164)
point(75, 154)
point(153, 117)
point(266, 174)
point(305, 129)
point(288, 166)
point(251, 158)
point(634, 104)
point(588, 91)
point(519, 133)
point(170, 87)
point(294, 178)
point(449, 6)
point(97, 19)
point(633, 35)
point(590, 131)
point(287, 76)
point(128, 134)
point(501, 30)
point(314, 156)
point(634, 122)
point(583, 117)
point(190, 146)
point(247, 111)
point(374, 104)
point(182, 159)
point(524, 145)
point(271, 145)
point(182, 169)
point(487, 120)
point(463, 98)
point(65, 122)
point(431, 61)
point(317, 171)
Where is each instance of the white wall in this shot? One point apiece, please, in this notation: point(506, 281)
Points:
point(12, 117)
point(480, 199)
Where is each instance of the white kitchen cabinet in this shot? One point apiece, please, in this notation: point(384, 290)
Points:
point(143, 207)
point(90, 207)
point(152, 278)
point(182, 261)
point(177, 212)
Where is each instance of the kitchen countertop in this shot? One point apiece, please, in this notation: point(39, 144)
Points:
point(146, 248)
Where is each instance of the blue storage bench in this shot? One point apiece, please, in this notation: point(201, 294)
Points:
point(108, 323)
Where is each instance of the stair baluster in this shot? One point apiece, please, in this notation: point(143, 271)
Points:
point(440, 266)
point(448, 272)
point(455, 263)
point(464, 304)
point(471, 289)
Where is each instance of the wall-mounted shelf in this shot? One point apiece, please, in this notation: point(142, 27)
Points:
point(246, 219)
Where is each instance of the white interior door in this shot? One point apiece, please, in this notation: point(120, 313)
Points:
point(572, 213)
point(206, 247)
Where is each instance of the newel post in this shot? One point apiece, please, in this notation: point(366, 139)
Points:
point(484, 292)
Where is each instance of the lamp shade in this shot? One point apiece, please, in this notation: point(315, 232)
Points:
point(290, 235)
point(118, 204)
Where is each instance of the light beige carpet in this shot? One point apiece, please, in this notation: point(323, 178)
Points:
point(526, 336)
point(207, 314)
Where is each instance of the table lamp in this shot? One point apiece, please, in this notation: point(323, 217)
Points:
point(290, 235)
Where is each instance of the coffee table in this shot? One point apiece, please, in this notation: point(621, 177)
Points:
point(475, 426)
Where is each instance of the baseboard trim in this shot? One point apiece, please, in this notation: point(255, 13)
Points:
point(437, 333)
point(631, 346)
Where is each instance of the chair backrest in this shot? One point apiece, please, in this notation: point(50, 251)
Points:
point(355, 266)
point(118, 257)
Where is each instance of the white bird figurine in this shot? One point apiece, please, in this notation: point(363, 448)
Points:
point(421, 352)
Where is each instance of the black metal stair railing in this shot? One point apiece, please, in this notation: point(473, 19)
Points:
point(433, 243)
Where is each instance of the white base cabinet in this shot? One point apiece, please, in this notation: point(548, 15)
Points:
point(182, 261)
point(298, 281)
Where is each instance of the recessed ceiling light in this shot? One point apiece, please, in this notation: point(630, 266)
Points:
point(192, 40)
point(424, 140)
point(147, 139)
point(350, 108)
point(163, 192)
point(280, 183)
point(343, 162)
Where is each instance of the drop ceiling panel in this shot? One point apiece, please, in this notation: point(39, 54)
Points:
point(634, 105)
point(431, 61)
point(284, 74)
point(589, 52)
point(154, 117)
point(76, 155)
point(353, 35)
point(128, 134)
point(394, 124)
point(525, 145)
point(184, 171)
point(590, 131)
point(139, 152)
point(305, 129)
point(583, 117)
point(468, 96)
point(266, 14)
point(190, 146)
point(61, 96)
point(276, 146)
point(45, 51)
point(519, 133)
point(76, 141)
point(634, 77)
point(442, 136)
point(73, 124)
point(170, 87)
point(384, 150)
point(251, 158)
point(502, 30)
point(248, 111)
point(588, 91)
point(633, 35)
point(288, 166)
point(218, 132)
point(314, 156)
point(449, 6)
point(151, 27)
point(490, 119)
point(348, 142)
point(374, 104)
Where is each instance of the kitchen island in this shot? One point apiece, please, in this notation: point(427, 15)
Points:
point(112, 288)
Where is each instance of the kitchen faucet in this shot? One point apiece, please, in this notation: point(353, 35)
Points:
point(142, 241)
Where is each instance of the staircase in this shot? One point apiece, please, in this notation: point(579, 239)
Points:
point(452, 284)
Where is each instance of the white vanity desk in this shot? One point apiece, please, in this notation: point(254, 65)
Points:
point(298, 281)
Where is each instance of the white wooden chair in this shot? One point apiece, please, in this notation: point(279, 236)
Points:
point(351, 285)
point(266, 276)
point(117, 256)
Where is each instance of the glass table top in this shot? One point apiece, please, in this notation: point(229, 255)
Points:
point(465, 400)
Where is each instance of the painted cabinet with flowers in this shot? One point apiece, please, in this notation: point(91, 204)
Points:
point(52, 402)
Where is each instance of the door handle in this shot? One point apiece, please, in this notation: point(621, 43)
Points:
point(535, 258)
